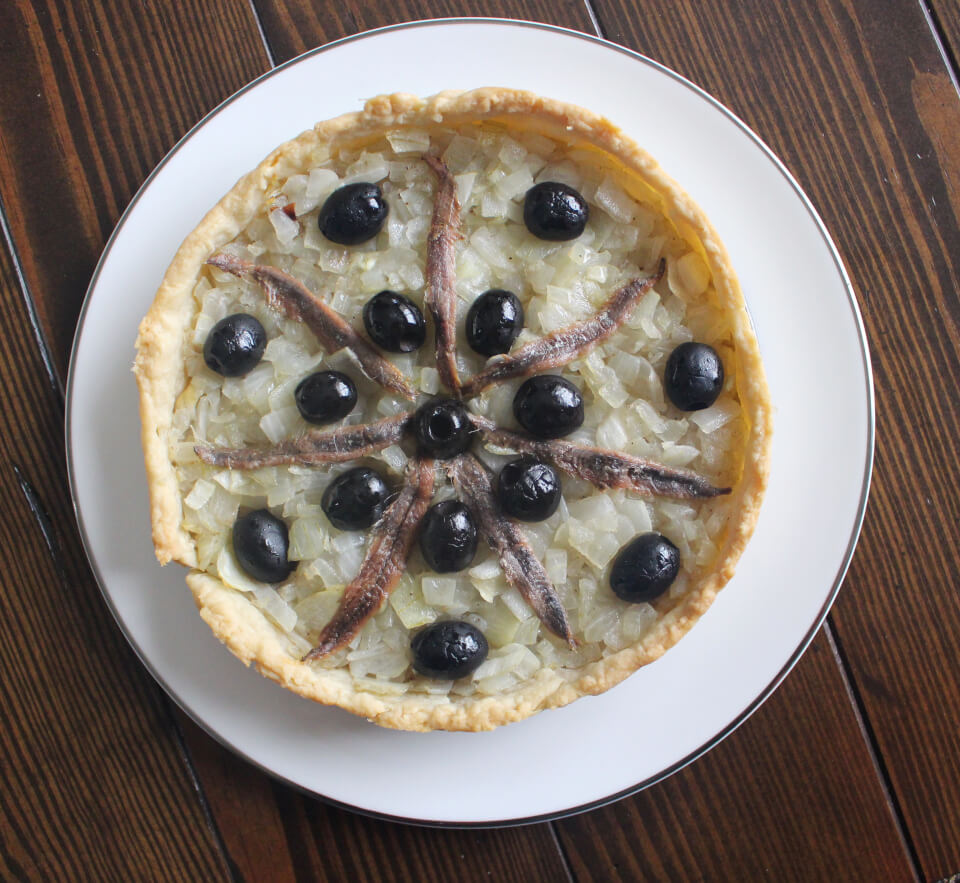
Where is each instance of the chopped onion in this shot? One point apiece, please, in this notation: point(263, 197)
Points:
point(689, 274)
point(200, 495)
point(719, 414)
point(275, 607)
point(321, 183)
point(558, 283)
point(308, 540)
point(407, 602)
point(285, 227)
point(515, 604)
point(409, 141)
point(280, 424)
point(231, 574)
point(438, 591)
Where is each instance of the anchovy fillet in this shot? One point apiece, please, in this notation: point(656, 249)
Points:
point(293, 298)
point(521, 567)
point(563, 346)
point(335, 446)
point(602, 468)
point(440, 296)
point(393, 536)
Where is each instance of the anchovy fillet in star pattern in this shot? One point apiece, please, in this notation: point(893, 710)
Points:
point(602, 468)
point(563, 346)
point(440, 296)
point(293, 298)
point(521, 566)
point(386, 558)
point(334, 446)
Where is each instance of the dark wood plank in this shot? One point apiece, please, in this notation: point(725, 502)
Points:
point(324, 842)
point(95, 180)
point(288, 26)
point(855, 97)
point(791, 795)
point(92, 95)
point(92, 777)
point(304, 839)
point(63, 65)
point(946, 18)
point(294, 26)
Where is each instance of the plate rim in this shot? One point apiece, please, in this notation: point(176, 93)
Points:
point(853, 304)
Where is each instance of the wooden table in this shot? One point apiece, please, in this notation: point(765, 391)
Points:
point(850, 771)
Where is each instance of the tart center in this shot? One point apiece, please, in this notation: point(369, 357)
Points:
point(442, 428)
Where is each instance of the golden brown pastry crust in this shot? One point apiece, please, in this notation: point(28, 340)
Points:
point(160, 375)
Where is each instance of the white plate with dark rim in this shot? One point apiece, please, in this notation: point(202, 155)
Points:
point(601, 748)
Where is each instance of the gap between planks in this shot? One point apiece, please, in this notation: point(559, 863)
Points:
point(43, 345)
point(271, 59)
point(950, 61)
point(205, 808)
point(873, 748)
point(49, 533)
point(554, 831)
point(856, 703)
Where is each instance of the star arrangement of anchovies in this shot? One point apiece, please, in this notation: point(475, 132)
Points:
point(444, 428)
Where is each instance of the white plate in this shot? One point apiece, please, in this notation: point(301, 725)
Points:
point(599, 748)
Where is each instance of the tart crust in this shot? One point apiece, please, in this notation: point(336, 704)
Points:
point(159, 369)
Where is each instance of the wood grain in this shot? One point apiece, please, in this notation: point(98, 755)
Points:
point(304, 839)
point(854, 96)
point(324, 842)
point(294, 26)
point(791, 795)
point(92, 777)
point(92, 95)
point(248, 809)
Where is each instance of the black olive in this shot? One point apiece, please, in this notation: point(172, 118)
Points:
point(528, 490)
point(394, 322)
point(448, 537)
point(694, 376)
point(325, 397)
point(355, 499)
point(548, 406)
point(493, 322)
point(555, 212)
point(442, 428)
point(353, 213)
point(448, 650)
point(644, 568)
point(260, 543)
point(235, 345)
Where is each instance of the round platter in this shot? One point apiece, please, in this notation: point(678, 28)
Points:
point(668, 713)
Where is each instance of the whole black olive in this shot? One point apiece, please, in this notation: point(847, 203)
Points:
point(493, 322)
point(528, 490)
point(644, 568)
point(353, 214)
point(448, 537)
point(394, 322)
point(442, 428)
point(235, 345)
point(555, 212)
point(548, 406)
point(355, 499)
point(694, 376)
point(448, 650)
point(260, 543)
point(325, 397)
